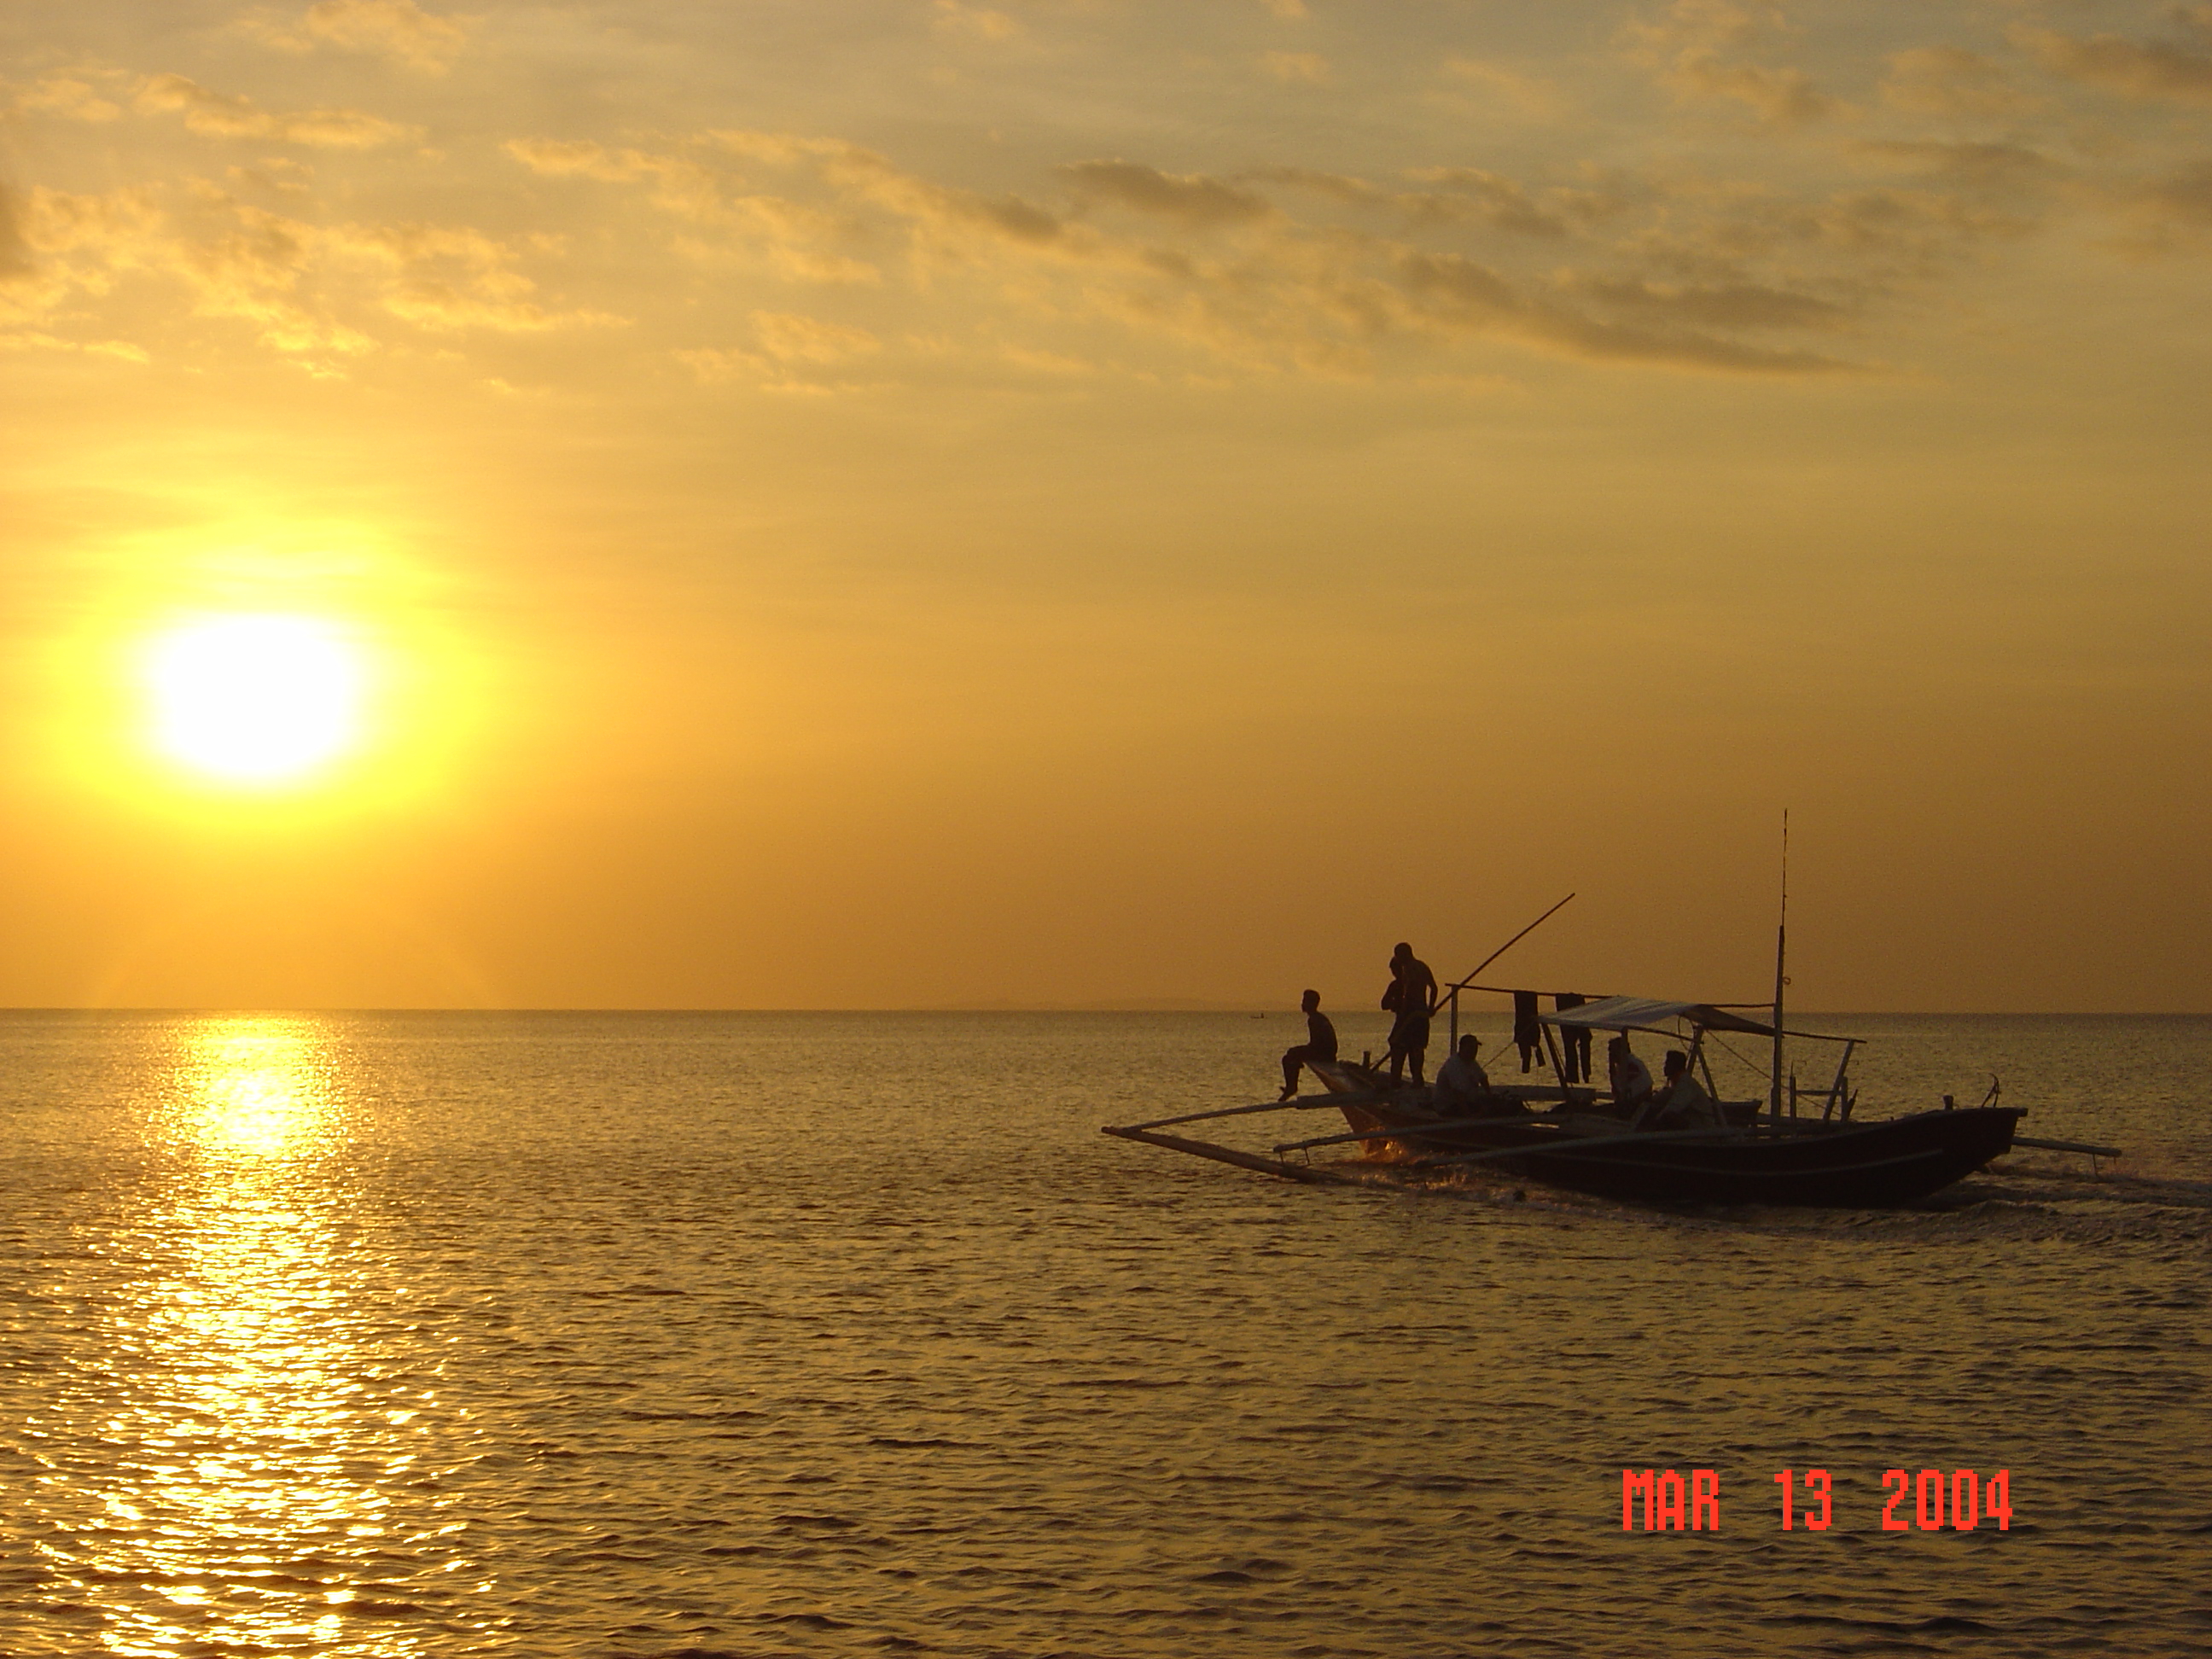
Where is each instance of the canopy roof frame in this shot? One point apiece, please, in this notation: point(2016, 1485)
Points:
point(1619, 1013)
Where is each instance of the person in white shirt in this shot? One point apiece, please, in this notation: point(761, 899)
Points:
point(1462, 1086)
point(1631, 1077)
point(1685, 1105)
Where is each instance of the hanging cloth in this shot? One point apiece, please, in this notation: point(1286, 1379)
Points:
point(1574, 1041)
point(1527, 1028)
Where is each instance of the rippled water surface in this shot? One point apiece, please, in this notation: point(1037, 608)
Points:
point(754, 1335)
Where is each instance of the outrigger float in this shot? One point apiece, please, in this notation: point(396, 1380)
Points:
point(1569, 1134)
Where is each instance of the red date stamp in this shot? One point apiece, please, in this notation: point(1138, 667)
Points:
point(1933, 1500)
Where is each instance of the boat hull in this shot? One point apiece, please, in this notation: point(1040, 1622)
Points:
point(1857, 1166)
point(1854, 1165)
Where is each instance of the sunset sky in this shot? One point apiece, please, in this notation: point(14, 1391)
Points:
point(904, 503)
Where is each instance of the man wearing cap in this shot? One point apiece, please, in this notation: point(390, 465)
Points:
point(1462, 1086)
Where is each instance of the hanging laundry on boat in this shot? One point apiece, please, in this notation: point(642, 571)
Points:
point(1574, 1041)
point(1528, 1027)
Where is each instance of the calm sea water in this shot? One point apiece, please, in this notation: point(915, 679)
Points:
point(760, 1334)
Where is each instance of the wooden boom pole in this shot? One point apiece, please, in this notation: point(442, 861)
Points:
point(1451, 996)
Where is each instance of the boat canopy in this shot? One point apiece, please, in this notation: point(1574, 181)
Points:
point(1650, 1014)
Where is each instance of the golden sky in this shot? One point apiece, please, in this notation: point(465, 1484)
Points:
point(889, 503)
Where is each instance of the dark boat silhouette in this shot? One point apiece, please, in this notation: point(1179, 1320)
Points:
point(1777, 1152)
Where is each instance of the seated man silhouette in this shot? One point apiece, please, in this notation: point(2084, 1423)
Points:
point(1320, 1044)
point(1630, 1077)
point(1462, 1087)
point(1682, 1104)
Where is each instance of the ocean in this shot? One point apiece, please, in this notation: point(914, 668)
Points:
point(751, 1334)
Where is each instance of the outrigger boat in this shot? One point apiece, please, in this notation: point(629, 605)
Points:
point(1782, 1155)
point(1568, 1134)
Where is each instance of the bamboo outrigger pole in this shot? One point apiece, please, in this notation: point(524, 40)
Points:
point(1452, 996)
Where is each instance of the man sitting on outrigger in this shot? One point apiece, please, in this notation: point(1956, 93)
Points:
point(1320, 1044)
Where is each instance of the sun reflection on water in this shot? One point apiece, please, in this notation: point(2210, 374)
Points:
point(257, 1087)
point(255, 1454)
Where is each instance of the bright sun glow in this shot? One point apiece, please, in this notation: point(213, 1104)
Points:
point(255, 699)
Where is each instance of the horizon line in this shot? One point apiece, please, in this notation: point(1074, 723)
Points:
point(1152, 1006)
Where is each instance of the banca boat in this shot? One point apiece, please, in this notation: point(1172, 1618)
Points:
point(1793, 1149)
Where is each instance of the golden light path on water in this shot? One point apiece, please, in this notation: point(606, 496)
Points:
point(262, 1476)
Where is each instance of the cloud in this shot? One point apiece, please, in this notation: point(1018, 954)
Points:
point(454, 278)
point(1293, 69)
point(1486, 196)
point(955, 18)
point(275, 173)
point(1693, 46)
point(1526, 95)
point(1700, 25)
point(1967, 163)
point(797, 239)
point(1782, 97)
point(307, 289)
point(1188, 199)
point(1309, 294)
point(1468, 195)
point(399, 29)
point(926, 206)
point(2153, 70)
point(1458, 292)
point(798, 354)
point(1951, 80)
point(1741, 306)
point(220, 115)
point(14, 249)
point(2186, 194)
point(791, 337)
point(67, 96)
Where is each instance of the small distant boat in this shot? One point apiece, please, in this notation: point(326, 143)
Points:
point(1571, 1136)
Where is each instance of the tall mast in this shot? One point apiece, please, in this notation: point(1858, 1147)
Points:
point(1781, 939)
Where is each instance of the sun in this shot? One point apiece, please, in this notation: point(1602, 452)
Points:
point(256, 701)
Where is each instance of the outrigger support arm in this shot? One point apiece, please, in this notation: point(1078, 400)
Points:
point(1297, 1103)
point(1312, 1174)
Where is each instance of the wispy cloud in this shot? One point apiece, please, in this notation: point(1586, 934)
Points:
point(1308, 296)
point(223, 115)
point(1948, 80)
point(399, 29)
point(1702, 51)
point(954, 17)
point(2172, 70)
point(1297, 69)
point(1188, 199)
point(69, 96)
point(308, 290)
point(1497, 84)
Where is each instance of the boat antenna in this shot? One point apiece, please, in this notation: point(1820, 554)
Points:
point(1781, 977)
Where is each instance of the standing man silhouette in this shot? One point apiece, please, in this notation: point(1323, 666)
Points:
point(1412, 994)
